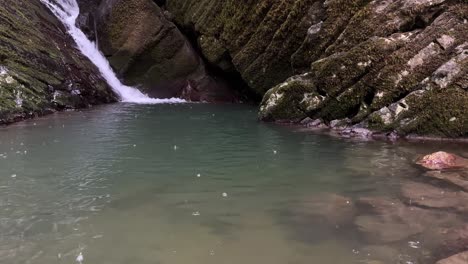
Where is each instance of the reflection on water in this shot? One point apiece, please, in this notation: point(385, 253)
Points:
point(193, 184)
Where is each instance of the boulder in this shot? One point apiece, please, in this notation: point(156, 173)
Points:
point(442, 160)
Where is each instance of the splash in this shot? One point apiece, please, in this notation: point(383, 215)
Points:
point(67, 11)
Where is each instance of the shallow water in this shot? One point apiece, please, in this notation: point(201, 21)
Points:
point(120, 184)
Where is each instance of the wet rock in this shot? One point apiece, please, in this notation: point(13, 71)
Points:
point(447, 241)
point(298, 91)
point(357, 132)
point(430, 196)
point(460, 258)
point(148, 51)
point(340, 124)
point(458, 178)
point(390, 220)
point(337, 210)
point(442, 160)
point(41, 71)
point(307, 121)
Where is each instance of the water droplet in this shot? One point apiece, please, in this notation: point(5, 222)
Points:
point(275, 152)
point(134, 145)
point(225, 194)
point(13, 175)
point(198, 175)
point(175, 147)
point(196, 213)
point(413, 244)
point(80, 258)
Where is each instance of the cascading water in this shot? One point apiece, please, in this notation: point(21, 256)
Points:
point(68, 11)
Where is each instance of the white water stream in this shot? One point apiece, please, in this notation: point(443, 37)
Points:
point(68, 11)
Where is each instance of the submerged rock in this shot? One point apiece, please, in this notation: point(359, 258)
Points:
point(433, 197)
point(460, 258)
point(337, 210)
point(447, 241)
point(458, 178)
point(41, 71)
point(442, 160)
point(382, 254)
point(389, 220)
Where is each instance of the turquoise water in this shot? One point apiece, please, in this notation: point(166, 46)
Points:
point(191, 183)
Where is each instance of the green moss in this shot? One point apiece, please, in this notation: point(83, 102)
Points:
point(289, 101)
point(438, 113)
point(40, 58)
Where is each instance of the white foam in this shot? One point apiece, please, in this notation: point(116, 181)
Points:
point(67, 11)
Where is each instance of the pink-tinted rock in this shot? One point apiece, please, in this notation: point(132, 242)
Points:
point(442, 160)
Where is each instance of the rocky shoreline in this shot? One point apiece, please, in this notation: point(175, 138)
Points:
point(342, 128)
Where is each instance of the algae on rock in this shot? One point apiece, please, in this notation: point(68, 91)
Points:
point(38, 62)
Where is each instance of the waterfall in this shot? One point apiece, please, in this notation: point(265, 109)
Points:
point(67, 12)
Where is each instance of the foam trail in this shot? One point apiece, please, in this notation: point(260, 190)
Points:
point(68, 11)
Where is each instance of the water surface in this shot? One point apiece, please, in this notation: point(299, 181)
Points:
point(186, 184)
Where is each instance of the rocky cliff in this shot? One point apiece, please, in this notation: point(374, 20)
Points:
point(392, 66)
point(396, 67)
point(148, 51)
point(41, 71)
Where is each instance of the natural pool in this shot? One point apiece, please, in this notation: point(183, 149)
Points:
point(201, 184)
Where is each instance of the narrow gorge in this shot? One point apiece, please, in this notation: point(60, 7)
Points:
point(223, 131)
point(396, 68)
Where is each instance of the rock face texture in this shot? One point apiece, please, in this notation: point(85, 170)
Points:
point(386, 65)
point(396, 66)
point(148, 51)
point(40, 69)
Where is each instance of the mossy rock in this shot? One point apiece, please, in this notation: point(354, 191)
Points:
point(39, 58)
